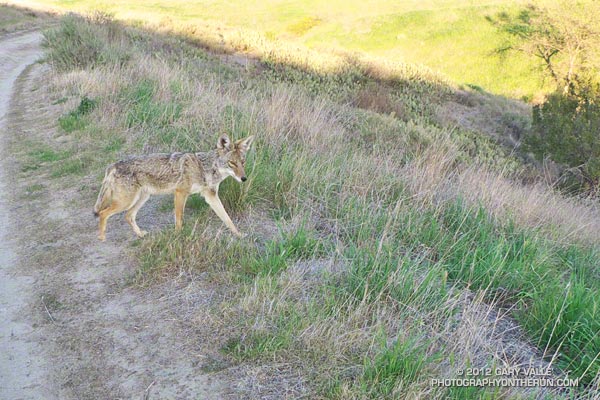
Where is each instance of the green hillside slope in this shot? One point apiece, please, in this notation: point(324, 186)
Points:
point(452, 37)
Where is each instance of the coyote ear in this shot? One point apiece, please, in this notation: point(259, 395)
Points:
point(244, 144)
point(224, 143)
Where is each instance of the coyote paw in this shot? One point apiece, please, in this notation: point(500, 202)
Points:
point(102, 238)
point(142, 234)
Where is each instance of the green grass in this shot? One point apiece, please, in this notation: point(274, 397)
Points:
point(266, 344)
point(278, 254)
point(509, 266)
point(145, 111)
point(73, 166)
point(49, 155)
point(452, 37)
point(114, 145)
point(57, 163)
point(402, 361)
point(34, 191)
point(43, 155)
point(85, 47)
point(75, 120)
point(304, 25)
point(455, 40)
point(31, 189)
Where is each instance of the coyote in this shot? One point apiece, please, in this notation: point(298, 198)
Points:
point(128, 184)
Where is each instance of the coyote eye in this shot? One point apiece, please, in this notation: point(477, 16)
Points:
point(231, 164)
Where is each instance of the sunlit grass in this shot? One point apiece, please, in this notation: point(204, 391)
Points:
point(456, 41)
point(450, 37)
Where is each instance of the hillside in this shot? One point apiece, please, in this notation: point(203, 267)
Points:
point(451, 37)
point(390, 241)
point(18, 19)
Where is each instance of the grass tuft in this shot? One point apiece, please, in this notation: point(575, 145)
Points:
point(75, 120)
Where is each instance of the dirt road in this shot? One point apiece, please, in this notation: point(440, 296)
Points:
point(72, 324)
point(22, 363)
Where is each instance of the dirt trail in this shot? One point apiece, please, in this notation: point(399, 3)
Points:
point(22, 365)
point(70, 315)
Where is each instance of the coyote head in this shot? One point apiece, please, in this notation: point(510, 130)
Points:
point(232, 156)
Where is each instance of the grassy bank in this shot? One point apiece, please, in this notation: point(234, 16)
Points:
point(385, 248)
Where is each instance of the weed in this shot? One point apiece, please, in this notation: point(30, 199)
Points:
point(48, 155)
point(278, 254)
point(75, 120)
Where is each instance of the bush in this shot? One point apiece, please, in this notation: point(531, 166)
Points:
point(76, 43)
point(566, 127)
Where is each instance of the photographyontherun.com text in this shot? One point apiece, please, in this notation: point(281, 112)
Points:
point(505, 377)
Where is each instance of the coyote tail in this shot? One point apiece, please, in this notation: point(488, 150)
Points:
point(105, 195)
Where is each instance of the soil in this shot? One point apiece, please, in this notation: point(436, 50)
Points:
point(22, 365)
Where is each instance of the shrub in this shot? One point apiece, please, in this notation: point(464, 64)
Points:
point(76, 43)
point(565, 128)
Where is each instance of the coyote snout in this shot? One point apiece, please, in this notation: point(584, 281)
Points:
point(128, 184)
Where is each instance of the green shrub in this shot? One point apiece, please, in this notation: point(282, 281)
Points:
point(565, 128)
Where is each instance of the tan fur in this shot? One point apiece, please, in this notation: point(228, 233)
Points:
point(128, 184)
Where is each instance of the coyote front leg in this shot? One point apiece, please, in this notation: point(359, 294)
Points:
point(214, 202)
point(132, 213)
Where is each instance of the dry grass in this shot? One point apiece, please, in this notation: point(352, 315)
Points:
point(20, 18)
point(434, 178)
point(563, 219)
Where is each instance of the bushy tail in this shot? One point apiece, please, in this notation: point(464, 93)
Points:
point(105, 195)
